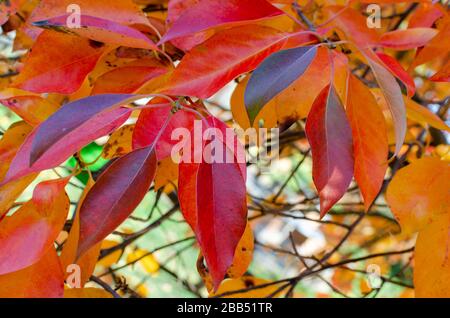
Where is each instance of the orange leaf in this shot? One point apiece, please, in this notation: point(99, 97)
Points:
point(30, 232)
point(370, 141)
point(44, 279)
point(166, 173)
point(33, 109)
point(423, 115)
point(88, 260)
point(419, 192)
point(86, 293)
point(58, 63)
point(432, 258)
point(243, 254)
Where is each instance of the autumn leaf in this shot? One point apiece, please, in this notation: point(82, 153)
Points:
point(120, 143)
point(288, 65)
point(29, 233)
point(397, 70)
point(206, 69)
point(209, 13)
point(47, 282)
point(370, 141)
point(68, 255)
point(119, 121)
point(68, 119)
point(150, 123)
point(58, 151)
point(419, 192)
point(9, 145)
point(407, 39)
point(218, 228)
point(100, 30)
point(33, 109)
point(431, 252)
point(394, 100)
point(330, 137)
point(243, 254)
point(128, 78)
point(8, 8)
point(126, 181)
point(423, 115)
point(58, 63)
point(125, 11)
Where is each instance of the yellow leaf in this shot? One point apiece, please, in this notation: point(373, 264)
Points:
point(120, 143)
point(423, 115)
point(166, 174)
point(149, 262)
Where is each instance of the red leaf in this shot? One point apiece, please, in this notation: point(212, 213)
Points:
point(58, 63)
point(208, 67)
point(370, 140)
point(211, 13)
point(330, 137)
point(397, 70)
point(58, 152)
point(44, 279)
point(115, 195)
point(202, 188)
point(30, 232)
point(150, 123)
point(176, 9)
point(100, 30)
